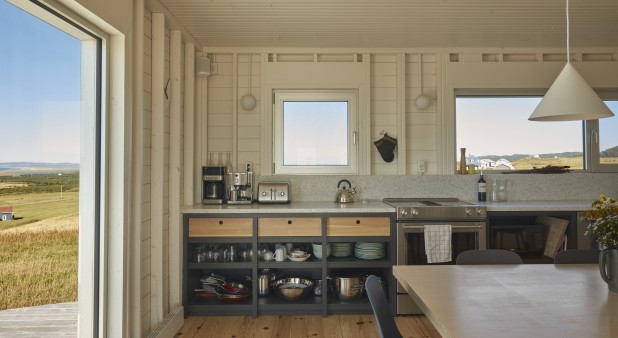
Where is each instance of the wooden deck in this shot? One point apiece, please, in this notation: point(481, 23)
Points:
point(54, 320)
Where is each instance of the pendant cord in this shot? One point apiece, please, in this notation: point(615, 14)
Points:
point(568, 33)
point(420, 71)
point(250, 70)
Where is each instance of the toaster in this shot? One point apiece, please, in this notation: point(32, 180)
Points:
point(273, 192)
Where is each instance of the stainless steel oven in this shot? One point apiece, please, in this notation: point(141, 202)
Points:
point(468, 232)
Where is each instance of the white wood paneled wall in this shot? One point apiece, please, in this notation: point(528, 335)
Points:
point(145, 309)
point(384, 108)
point(421, 125)
point(163, 173)
point(393, 83)
point(249, 131)
point(220, 106)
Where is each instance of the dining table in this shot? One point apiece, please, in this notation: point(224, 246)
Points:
point(521, 300)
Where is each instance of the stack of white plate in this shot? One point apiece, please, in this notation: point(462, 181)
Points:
point(367, 250)
point(342, 249)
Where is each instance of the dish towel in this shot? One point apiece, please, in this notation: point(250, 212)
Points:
point(438, 243)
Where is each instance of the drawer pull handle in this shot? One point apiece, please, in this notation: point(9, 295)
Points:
point(358, 221)
point(289, 221)
point(221, 222)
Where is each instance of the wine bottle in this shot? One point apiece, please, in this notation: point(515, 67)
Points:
point(482, 189)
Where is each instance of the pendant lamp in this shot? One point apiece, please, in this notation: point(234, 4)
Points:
point(570, 98)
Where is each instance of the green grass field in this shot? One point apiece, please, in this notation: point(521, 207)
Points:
point(30, 208)
point(38, 268)
point(38, 252)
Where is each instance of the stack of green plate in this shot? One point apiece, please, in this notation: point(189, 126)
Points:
point(342, 249)
point(367, 250)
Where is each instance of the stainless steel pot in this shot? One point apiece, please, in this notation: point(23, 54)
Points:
point(347, 287)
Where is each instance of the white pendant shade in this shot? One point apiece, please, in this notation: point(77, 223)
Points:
point(570, 98)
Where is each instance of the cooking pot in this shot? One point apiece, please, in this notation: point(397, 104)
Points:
point(343, 195)
point(347, 286)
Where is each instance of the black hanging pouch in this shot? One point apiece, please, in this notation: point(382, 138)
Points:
point(386, 147)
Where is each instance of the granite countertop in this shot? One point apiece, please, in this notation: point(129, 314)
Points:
point(578, 205)
point(375, 207)
point(292, 207)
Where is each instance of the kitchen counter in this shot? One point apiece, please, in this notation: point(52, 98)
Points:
point(291, 208)
point(537, 205)
point(375, 207)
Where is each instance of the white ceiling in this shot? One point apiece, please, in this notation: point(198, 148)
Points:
point(397, 23)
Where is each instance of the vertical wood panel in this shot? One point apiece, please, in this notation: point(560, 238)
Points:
point(157, 168)
point(401, 115)
point(137, 130)
point(175, 240)
point(189, 124)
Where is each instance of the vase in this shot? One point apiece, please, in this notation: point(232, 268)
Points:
point(608, 266)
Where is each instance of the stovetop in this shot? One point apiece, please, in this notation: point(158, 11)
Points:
point(436, 209)
point(425, 202)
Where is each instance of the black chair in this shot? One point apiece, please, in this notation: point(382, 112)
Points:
point(577, 257)
point(386, 323)
point(490, 256)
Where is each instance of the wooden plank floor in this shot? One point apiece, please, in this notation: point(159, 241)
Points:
point(354, 326)
point(53, 320)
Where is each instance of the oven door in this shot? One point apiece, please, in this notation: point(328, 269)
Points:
point(411, 240)
point(411, 250)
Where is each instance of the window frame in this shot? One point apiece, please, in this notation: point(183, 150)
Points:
point(322, 95)
point(593, 136)
point(590, 142)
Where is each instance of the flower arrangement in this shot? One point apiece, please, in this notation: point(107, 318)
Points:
point(604, 226)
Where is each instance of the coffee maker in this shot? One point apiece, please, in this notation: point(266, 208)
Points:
point(213, 191)
point(240, 187)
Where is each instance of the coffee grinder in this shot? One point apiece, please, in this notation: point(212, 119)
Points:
point(213, 191)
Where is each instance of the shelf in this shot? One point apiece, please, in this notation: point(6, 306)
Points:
point(275, 300)
point(354, 239)
point(209, 266)
point(292, 239)
point(289, 226)
point(308, 264)
point(353, 262)
point(220, 309)
point(199, 240)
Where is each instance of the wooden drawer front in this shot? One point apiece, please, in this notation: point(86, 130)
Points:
point(220, 227)
point(359, 226)
point(298, 226)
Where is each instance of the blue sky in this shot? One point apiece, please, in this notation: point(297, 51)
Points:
point(500, 126)
point(39, 90)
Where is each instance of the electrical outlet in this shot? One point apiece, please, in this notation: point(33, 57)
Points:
point(248, 166)
point(420, 167)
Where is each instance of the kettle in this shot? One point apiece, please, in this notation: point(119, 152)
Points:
point(343, 195)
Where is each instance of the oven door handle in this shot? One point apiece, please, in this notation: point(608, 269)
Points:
point(462, 227)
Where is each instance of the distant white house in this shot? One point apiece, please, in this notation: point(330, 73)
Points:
point(471, 159)
point(503, 164)
point(6, 213)
point(485, 163)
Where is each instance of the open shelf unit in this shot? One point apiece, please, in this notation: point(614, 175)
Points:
point(255, 230)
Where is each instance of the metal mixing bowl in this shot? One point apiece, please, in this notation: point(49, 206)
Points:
point(292, 288)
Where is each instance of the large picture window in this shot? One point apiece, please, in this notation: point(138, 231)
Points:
point(498, 136)
point(315, 132)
